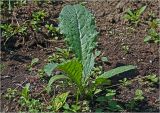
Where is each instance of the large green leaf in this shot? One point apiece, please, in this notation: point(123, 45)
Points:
point(78, 26)
point(116, 71)
point(73, 69)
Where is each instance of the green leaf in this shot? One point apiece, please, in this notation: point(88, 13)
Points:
point(147, 38)
point(25, 91)
point(73, 69)
point(116, 71)
point(53, 79)
point(97, 53)
point(104, 59)
point(59, 101)
point(78, 25)
point(101, 81)
point(141, 10)
point(130, 12)
point(49, 68)
point(34, 61)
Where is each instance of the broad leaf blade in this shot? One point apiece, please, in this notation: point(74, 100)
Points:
point(73, 69)
point(78, 25)
point(49, 68)
point(53, 79)
point(59, 101)
point(116, 71)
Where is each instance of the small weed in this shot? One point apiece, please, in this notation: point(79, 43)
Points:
point(104, 59)
point(152, 78)
point(52, 30)
point(138, 95)
point(2, 66)
point(26, 101)
point(152, 36)
point(125, 82)
point(154, 23)
point(33, 63)
point(37, 17)
point(112, 105)
point(134, 16)
point(125, 48)
point(41, 72)
point(60, 56)
point(8, 31)
point(72, 108)
point(11, 93)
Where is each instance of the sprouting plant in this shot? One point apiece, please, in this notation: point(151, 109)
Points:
point(78, 26)
point(138, 95)
point(104, 59)
point(2, 66)
point(51, 29)
point(25, 100)
point(37, 17)
point(7, 31)
point(125, 48)
point(112, 105)
point(33, 63)
point(41, 72)
point(154, 23)
point(11, 93)
point(60, 55)
point(72, 108)
point(134, 16)
point(152, 36)
point(152, 78)
point(58, 102)
point(125, 82)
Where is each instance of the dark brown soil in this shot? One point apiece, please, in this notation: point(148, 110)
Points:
point(114, 32)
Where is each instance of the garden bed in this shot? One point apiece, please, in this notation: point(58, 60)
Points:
point(120, 42)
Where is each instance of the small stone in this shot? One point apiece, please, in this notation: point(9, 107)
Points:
point(100, 13)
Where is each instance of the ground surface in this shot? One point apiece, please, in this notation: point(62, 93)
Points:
point(114, 32)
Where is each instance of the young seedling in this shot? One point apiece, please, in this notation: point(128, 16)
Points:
point(125, 48)
point(7, 31)
point(134, 16)
point(152, 36)
point(2, 66)
point(51, 29)
point(152, 78)
point(154, 23)
point(60, 56)
point(37, 17)
point(25, 100)
point(11, 93)
point(125, 82)
point(112, 105)
point(138, 95)
point(72, 108)
point(33, 63)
